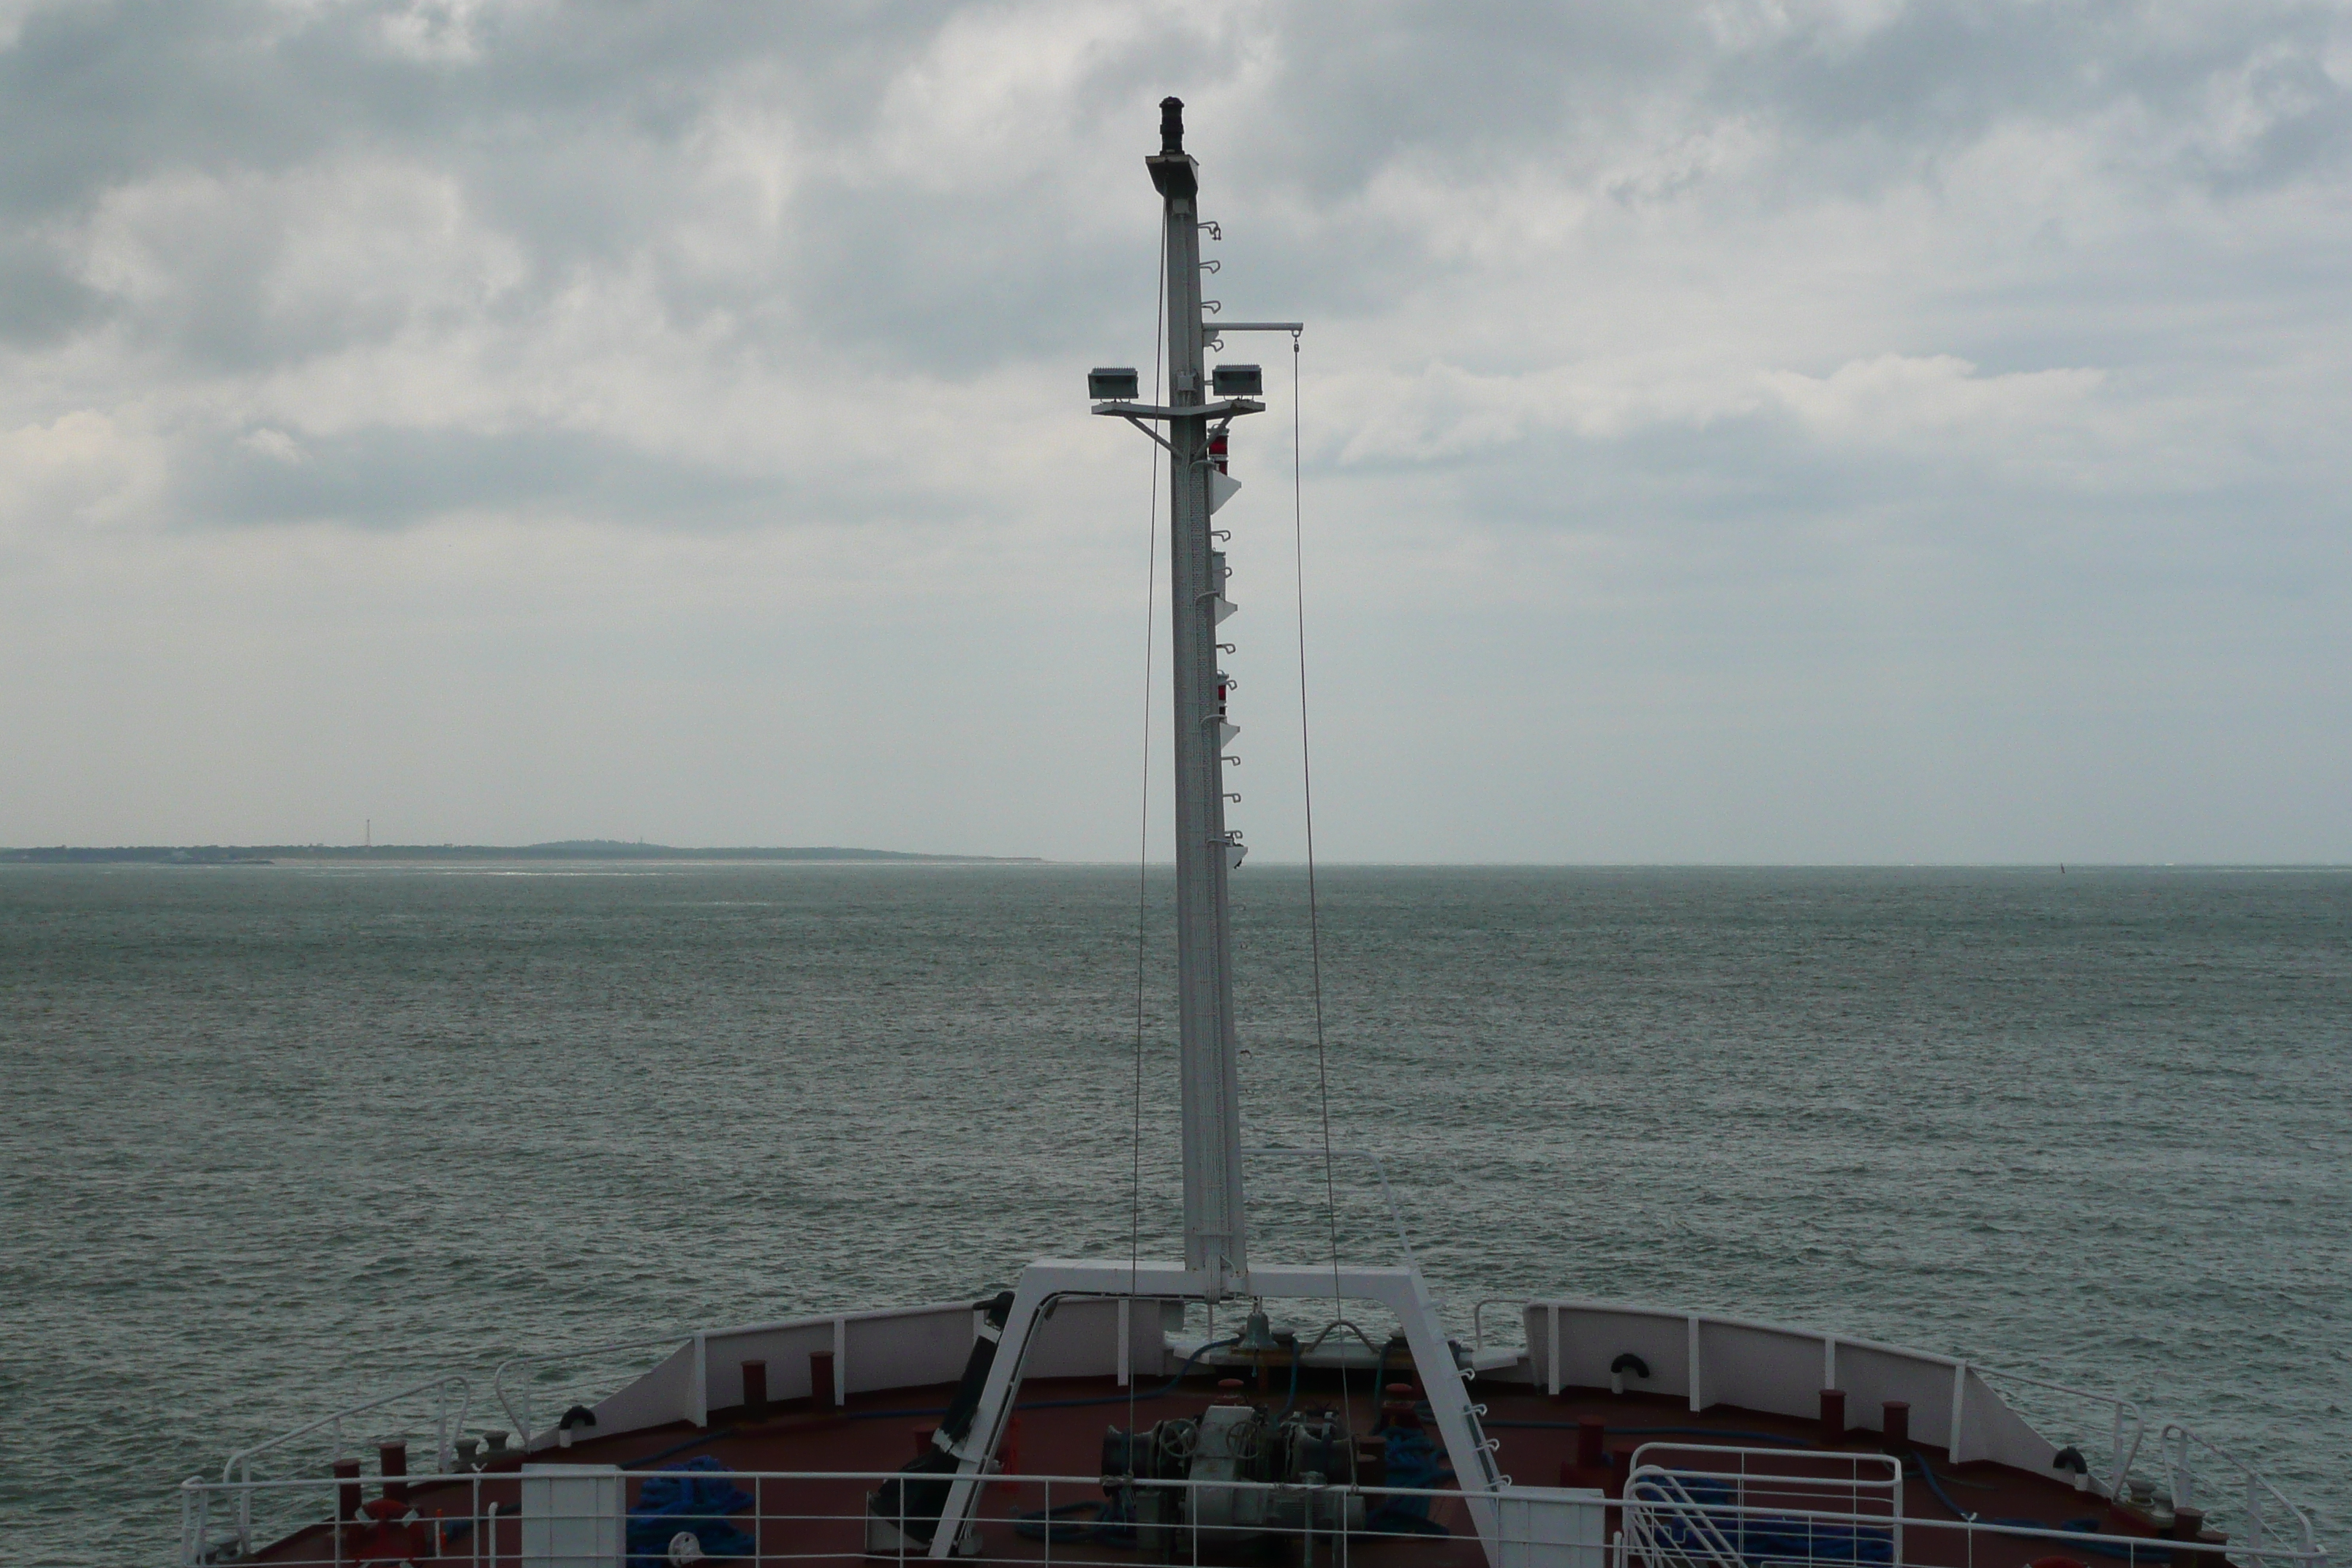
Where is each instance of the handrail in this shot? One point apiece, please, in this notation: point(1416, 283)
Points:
point(2175, 1440)
point(197, 1495)
point(1477, 1319)
point(2121, 1452)
point(2147, 1547)
point(1891, 1482)
point(522, 1423)
point(2120, 1455)
point(1651, 1491)
point(1729, 1321)
point(1887, 1487)
point(442, 1452)
point(245, 1456)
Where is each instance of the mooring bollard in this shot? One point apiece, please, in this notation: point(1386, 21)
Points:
point(1895, 1426)
point(755, 1390)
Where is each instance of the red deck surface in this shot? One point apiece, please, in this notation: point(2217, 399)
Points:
point(1053, 1436)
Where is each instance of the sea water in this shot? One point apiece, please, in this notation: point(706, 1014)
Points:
point(278, 1138)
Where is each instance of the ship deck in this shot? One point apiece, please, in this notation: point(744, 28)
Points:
point(1059, 1430)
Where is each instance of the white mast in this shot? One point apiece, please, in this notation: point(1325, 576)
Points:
point(1216, 1239)
point(1216, 1261)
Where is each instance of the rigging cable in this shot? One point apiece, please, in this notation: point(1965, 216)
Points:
point(1143, 830)
point(1314, 917)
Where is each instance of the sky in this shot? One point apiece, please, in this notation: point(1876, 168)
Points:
point(1729, 431)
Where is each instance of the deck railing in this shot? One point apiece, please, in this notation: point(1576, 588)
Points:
point(521, 1416)
point(2127, 1426)
point(584, 1515)
point(1671, 1520)
point(1866, 1486)
point(579, 1515)
point(2267, 1514)
point(447, 1422)
point(1707, 1358)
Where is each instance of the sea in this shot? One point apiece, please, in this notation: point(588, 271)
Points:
point(278, 1139)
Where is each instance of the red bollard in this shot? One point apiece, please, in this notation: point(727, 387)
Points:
point(1895, 1426)
point(821, 1379)
point(1397, 1409)
point(1832, 1415)
point(347, 1494)
point(1591, 1450)
point(755, 1390)
point(392, 1461)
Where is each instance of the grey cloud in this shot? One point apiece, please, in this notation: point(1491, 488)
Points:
point(41, 301)
point(1938, 75)
point(571, 131)
point(95, 93)
point(393, 478)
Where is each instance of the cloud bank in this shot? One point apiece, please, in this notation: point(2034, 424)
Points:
point(1858, 430)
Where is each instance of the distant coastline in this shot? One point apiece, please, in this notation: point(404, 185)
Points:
point(562, 849)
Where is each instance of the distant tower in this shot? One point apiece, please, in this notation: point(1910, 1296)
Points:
point(370, 833)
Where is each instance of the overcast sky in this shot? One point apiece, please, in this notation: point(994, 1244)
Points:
point(1747, 430)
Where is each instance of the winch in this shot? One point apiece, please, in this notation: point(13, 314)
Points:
point(1300, 1462)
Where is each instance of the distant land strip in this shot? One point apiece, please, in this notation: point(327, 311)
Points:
point(563, 849)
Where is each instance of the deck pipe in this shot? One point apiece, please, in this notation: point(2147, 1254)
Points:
point(392, 1461)
point(755, 1390)
point(347, 1489)
point(1895, 1426)
point(821, 1379)
point(1832, 1415)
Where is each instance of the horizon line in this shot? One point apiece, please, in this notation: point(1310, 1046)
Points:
point(641, 850)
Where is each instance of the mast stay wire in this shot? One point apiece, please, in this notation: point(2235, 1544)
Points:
point(1314, 911)
point(1143, 825)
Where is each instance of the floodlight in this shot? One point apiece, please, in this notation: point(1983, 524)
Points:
point(1113, 385)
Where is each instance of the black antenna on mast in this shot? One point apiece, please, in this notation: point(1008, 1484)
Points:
point(1171, 125)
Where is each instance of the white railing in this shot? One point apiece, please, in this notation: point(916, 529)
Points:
point(598, 1514)
point(521, 1419)
point(2265, 1507)
point(1670, 1518)
point(1859, 1486)
point(2127, 1428)
point(239, 1467)
point(1708, 1358)
point(1670, 1523)
point(1478, 1319)
point(1666, 1526)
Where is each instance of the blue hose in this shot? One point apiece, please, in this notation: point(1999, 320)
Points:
point(2134, 1554)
